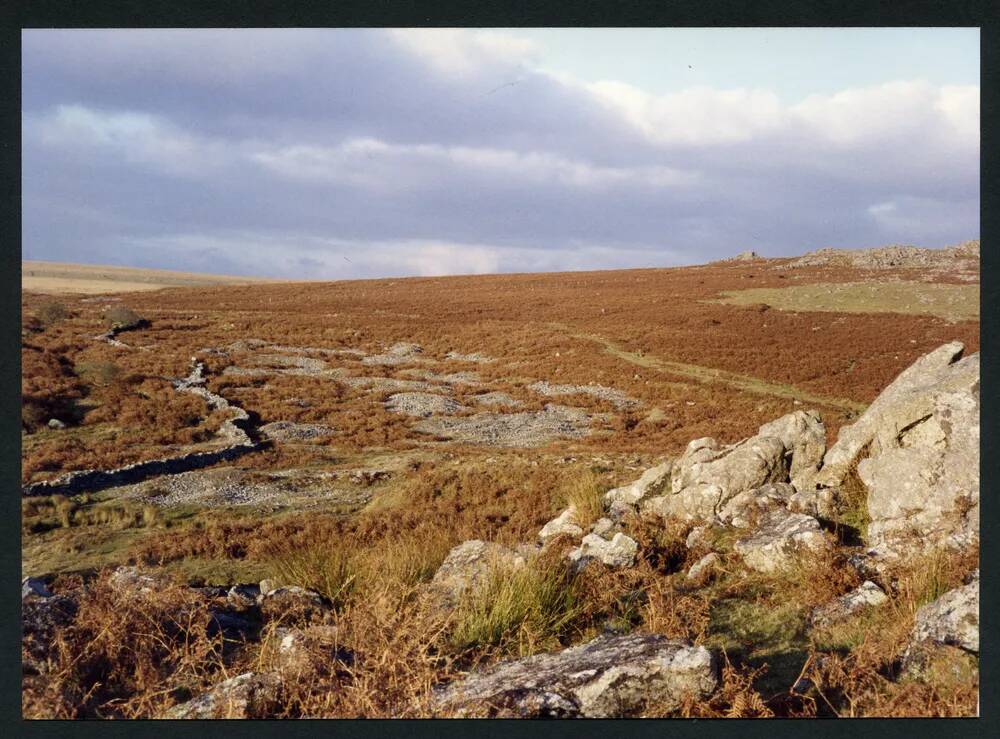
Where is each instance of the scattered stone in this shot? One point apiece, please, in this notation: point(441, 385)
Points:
point(309, 364)
point(697, 537)
point(619, 552)
point(602, 527)
point(780, 538)
point(611, 676)
point(289, 431)
point(701, 569)
point(132, 580)
point(866, 595)
point(473, 357)
point(266, 587)
point(422, 405)
point(56, 424)
point(400, 353)
point(563, 525)
point(525, 429)
point(223, 487)
point(246, 596)
point(616, 397)
point(249, 695)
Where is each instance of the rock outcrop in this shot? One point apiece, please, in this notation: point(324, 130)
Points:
point(609, 677)
point(624, 499)
point(804, 437)
point(708, 475)
point(744, 508)
point(916, 449)
point(779, 539)
point(885, 257)
point(743, 256)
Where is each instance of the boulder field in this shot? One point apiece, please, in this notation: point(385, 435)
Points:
point(914, 453)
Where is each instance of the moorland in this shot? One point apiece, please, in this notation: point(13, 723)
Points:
point(338, 498)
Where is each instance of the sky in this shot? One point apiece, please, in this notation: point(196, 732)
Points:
point(346, 153)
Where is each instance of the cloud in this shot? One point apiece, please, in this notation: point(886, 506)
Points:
point(377, 164)
point(460, 52)
point(132, 138)
point(699, 116)
point(420, 151)
point(288, 254)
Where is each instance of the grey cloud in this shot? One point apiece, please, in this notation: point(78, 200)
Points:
point(284, 152)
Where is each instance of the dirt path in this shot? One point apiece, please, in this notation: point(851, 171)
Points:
point(711, 375)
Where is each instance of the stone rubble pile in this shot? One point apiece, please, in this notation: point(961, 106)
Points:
point(915, 451)
point(236, 430)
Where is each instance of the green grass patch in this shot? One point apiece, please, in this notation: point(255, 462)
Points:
point(951, 302)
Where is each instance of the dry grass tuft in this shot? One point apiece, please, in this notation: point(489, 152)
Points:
point(857, 671)
point(329, 568)
point(582, 491)
point(519, 609)
point(676, 614)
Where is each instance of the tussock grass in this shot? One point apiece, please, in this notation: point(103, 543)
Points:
point(51, 312)
point(406, 561)
point(342, 570)
point(582, 492)
point(520, 609)
point(98, 373)
point(331, 569)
